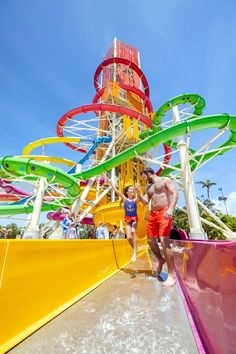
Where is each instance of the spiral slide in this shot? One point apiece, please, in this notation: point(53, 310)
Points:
point(15, 166)
point(195, 124)
point(20, 167)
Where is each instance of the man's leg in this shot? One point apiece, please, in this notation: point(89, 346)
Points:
point(152, 242)
point(165, 242)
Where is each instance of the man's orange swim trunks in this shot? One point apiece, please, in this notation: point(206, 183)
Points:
point(157, 224)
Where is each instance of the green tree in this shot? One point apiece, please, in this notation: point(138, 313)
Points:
point(209, 204)
point(48, 232)
point(207, 184)
point(180, 221)
point(13, 230)
point(212, 233)
point(229, 220)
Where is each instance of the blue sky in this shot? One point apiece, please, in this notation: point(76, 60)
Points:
point(51, 49)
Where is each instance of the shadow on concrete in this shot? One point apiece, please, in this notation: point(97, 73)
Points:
point(134, 272)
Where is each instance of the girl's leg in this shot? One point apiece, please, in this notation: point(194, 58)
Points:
point(134, 238)
point(129, 235)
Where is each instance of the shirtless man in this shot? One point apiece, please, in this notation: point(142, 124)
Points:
point(162, 195)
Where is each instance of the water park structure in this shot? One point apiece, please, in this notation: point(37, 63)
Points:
point(118, 135)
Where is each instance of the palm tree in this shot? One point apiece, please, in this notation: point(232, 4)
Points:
point(207, 184)
point(209, 204)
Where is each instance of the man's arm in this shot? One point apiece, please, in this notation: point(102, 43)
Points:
point(143, 198)
point(172, 191)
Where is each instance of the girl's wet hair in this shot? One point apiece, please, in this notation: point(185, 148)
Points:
point(126, 191)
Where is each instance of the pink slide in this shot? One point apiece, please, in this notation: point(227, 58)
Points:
point(4, 184)
point(60, 216)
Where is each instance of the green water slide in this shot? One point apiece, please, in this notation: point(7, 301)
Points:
point(21, 167)
point(194, 99)
point(219, 121)
point(28, 167)
point(199, 104)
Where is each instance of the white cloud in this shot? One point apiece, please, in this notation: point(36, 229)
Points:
point(230, 203)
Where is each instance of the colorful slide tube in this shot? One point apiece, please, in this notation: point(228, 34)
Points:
point(102, 107)
point(96, 143)
point(41, 279)
point(192, 98)
point(133, 89)
point(57, 216)
point(18, 194)
point(21, 167)
point(5, 197)
point(30, 167)
point(8, 188)
point(195, 124)
point(129, 63)
point(206, 271)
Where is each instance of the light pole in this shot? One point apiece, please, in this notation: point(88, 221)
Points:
point(223, 198)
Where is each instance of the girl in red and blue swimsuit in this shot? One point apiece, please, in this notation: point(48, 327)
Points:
point(131, 217)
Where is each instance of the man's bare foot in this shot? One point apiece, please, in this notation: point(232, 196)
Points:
point(170, 281)
point(133, 259)
point(160, 265)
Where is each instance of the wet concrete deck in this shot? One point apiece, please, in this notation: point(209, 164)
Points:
point(129, 313)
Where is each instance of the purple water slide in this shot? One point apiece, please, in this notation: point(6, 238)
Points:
point(9, 189)
point(101, 181)
point(206, 271)
point(5, 184)
point(178, 234)
point(57, 216)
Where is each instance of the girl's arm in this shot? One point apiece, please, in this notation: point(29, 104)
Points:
point(115, 189)
point(137, 199)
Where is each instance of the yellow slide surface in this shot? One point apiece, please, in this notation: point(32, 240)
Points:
point(41, 278)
